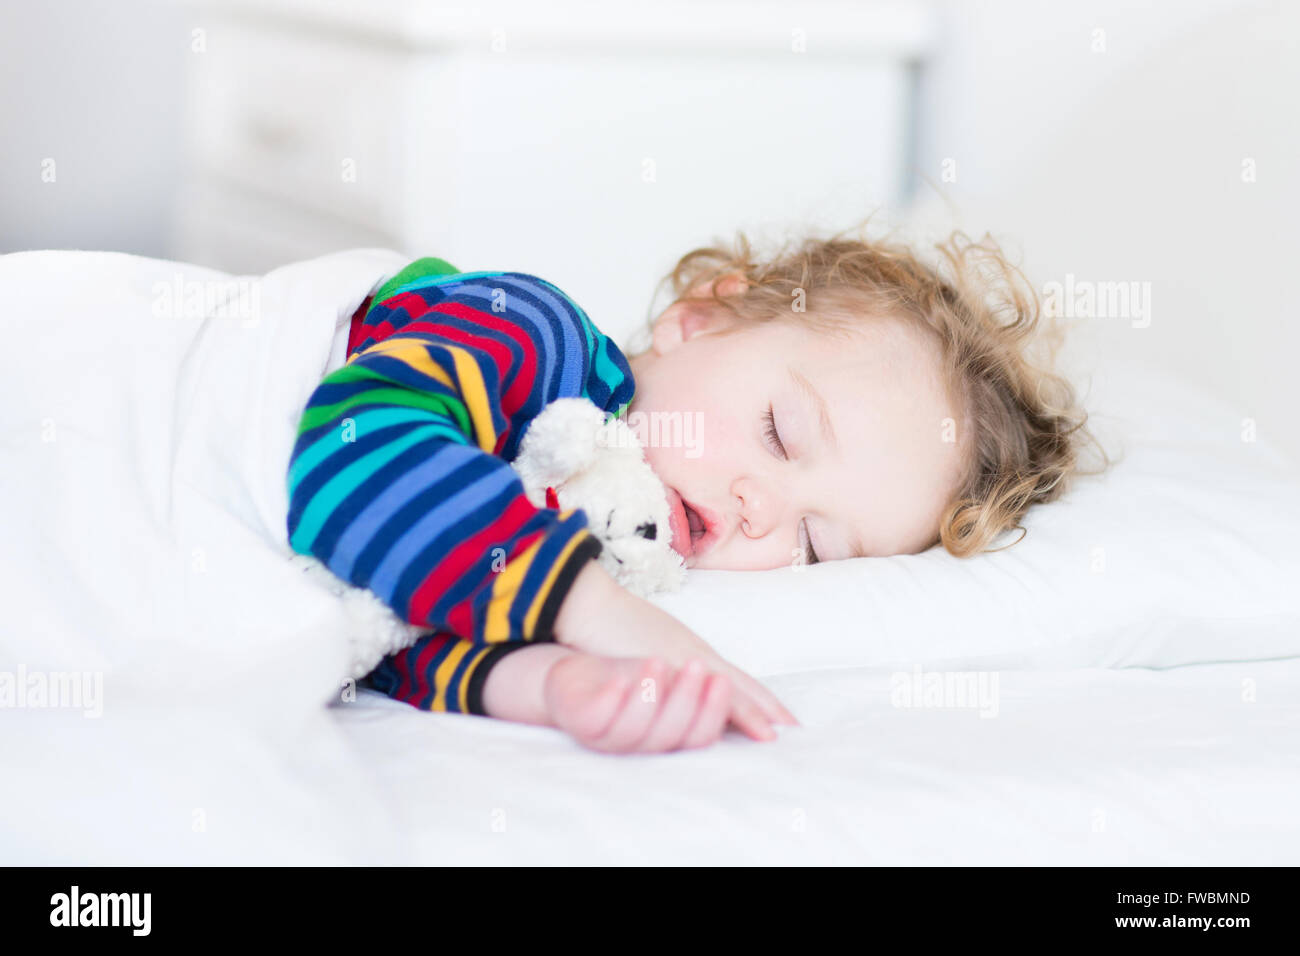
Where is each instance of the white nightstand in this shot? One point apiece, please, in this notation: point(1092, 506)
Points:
point(591, 144)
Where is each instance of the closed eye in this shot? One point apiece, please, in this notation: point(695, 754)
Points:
point(770, 433)
point(812, 555)
point(774, 440)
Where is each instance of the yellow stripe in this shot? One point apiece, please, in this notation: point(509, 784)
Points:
point(415, 353)
point(506, 587)
point(497, 626)
point(474, 392)
point(530, 619)
point(443, 675)
point(462, 694)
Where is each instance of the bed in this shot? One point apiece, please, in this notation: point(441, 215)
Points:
point(1119, 688)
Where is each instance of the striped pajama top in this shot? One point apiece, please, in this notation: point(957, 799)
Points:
point(400, 482)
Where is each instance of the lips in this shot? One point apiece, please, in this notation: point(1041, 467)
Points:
point(692, 530)
point(680, 524)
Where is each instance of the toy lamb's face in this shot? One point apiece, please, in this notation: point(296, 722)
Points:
point(597, 464)
point(627, 509)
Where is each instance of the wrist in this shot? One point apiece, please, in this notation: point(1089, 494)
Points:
point(585, 604)
point(515, 688)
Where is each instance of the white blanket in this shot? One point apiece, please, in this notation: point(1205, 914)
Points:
point(149, 410)
point(148, 416)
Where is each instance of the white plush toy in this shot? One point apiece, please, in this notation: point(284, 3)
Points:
point(599, 465)
point(570, 457)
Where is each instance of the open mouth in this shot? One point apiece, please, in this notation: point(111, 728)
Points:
point(691, 530)
point(696, 523)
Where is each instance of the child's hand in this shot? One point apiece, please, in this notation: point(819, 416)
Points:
point(619, 705)
point(600, 617)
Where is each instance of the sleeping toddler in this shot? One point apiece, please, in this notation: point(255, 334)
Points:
point(852, 400)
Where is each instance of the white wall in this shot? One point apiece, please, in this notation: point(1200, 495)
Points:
point(1126, 164)
point(97, 88)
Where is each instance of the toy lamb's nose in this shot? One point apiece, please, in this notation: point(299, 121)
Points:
point(647, 530)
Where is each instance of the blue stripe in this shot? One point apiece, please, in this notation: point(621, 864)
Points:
point(571, 373)
point(407, 481)
point(435, 525)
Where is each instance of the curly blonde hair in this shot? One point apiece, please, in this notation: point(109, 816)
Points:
point(1025, 430)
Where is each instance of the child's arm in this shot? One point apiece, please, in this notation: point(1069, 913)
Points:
point(623, 704)
point(400, 482)
point(601, 617)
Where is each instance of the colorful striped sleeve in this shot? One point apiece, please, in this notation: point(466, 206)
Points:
point(400, 479)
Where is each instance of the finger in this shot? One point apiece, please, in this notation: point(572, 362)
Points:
point(605, 703)
point(750, 719)
point(711, 720)
point(678, 709)
point(639, 707)
point(772, 707)
point(764, 698)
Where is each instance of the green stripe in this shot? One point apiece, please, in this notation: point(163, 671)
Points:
point(585, 323)
point(446, 405)
point(606, 370)
point(366, 423)
point(443, 280)
point(420, 268)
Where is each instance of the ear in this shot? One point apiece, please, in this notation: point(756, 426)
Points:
point(696, 314)
point(731, 284)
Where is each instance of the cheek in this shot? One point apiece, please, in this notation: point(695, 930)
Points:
point(689, 435)
point(711, 421)
point(696, 419)
point(722, 434)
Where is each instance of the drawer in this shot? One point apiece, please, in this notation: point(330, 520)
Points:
point(224, 227)
point(313, 119)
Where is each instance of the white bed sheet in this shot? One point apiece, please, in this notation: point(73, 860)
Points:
point(1191, 766)
point(1079, 767)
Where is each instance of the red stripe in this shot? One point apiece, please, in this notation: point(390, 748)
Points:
point(526, 372)
point(355, 334)
point(421, 667)
point(441, 578)
point(402, 662)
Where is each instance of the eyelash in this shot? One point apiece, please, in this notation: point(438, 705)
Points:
point(774, 440)
point(769, 432)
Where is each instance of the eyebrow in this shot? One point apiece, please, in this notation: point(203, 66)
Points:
point(856, 550)
point(819, 403)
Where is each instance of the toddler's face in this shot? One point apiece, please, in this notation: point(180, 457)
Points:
point(748, 497)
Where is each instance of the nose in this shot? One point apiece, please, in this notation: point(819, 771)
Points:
point(759, 507)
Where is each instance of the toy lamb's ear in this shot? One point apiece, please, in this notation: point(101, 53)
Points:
point(561, 440)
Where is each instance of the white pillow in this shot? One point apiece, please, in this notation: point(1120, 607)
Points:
point(1183, 552)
